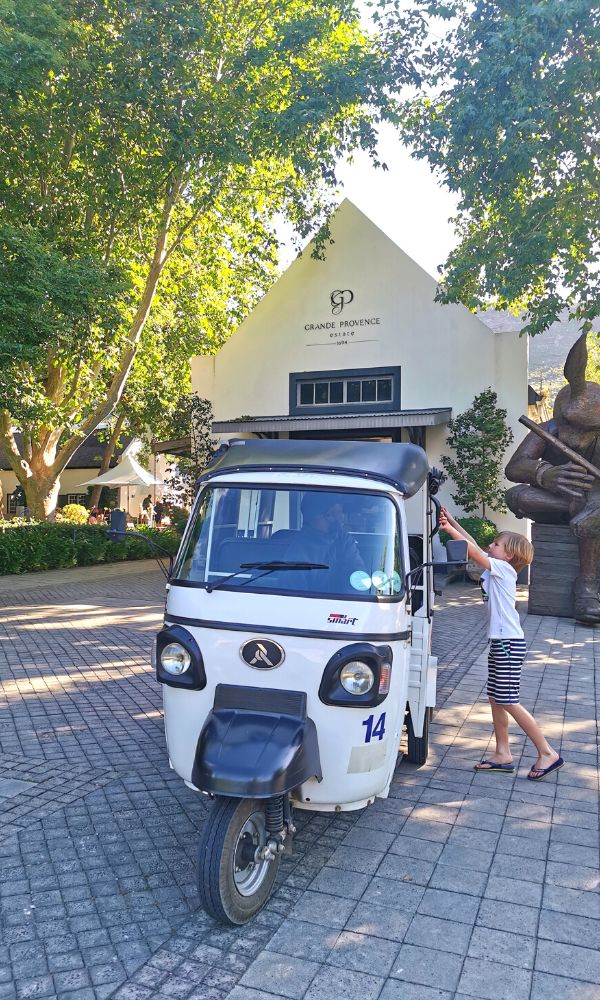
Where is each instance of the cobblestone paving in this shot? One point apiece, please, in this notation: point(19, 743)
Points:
point(458, 885)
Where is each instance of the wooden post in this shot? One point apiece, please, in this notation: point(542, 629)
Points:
point(554, 570)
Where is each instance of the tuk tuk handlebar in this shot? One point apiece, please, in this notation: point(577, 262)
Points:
point(114, 535)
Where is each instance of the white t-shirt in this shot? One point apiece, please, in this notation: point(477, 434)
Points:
point(499, 585)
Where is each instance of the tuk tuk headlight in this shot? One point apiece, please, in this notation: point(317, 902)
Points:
point(179, 662)
point(357, 677)
point(175, 659)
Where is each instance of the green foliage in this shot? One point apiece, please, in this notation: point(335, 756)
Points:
point(508, 117)
point(28, 547)
point(73, 513)
point(193, 417)
point(144, 151)
point(479, 437)
point(179, 518)
point(480, 528)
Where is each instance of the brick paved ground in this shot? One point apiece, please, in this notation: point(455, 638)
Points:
point(459, 885)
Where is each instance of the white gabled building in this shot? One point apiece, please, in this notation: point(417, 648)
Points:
point(356, 346)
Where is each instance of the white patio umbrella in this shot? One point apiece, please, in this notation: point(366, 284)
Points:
point(127, 473)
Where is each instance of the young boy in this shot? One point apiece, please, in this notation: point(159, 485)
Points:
point(506, 556)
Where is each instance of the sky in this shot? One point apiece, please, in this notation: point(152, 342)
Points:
point(406, 201)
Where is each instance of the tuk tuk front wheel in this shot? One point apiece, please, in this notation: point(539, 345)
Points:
point(233, 887)
point(418, 746)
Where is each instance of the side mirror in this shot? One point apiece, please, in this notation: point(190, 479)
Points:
point(457, 550)
point(457, 556)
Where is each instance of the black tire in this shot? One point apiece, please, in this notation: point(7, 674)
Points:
point(418, 747)
point(224, 898)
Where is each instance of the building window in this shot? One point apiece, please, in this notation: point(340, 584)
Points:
point(375, 389)
point(79, 498)
point(12, 503)
point(334, 393)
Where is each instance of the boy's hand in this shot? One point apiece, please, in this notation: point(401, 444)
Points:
point(448, 517)
point(449, 528)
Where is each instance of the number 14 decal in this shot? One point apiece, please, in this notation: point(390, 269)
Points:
point(377, 730)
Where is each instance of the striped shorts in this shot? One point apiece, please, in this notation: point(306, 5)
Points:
point(505, 659)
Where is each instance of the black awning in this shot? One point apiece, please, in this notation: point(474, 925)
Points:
point(178, 446)
point(426, 417)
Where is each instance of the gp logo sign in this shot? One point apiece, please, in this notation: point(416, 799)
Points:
point(339, 298)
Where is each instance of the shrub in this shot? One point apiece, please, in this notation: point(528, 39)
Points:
point(74, 513)
point(168, 539)
point(179, 518)
point(479, 437)
point(28, 546)
point(482, 530)
point(90, 547)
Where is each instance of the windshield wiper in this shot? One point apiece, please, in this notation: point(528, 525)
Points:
point(270, 567)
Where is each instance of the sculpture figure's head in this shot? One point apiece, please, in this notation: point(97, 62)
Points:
point(577, 405)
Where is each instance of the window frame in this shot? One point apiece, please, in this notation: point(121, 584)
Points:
point(76, 498)
point(176, 581)
point(297, 379)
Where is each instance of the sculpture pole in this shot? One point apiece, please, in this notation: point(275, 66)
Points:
point(556, 443)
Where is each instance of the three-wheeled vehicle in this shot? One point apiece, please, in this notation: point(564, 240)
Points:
point(296, 645)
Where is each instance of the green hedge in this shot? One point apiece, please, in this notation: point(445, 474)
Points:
point(482, 530)
point(25, 548)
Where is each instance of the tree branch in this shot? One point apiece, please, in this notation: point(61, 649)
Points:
point(115, 389)
point(17, 463)
point(68, 148)
point(108, 454)
point(55, 378)
point(112, 232)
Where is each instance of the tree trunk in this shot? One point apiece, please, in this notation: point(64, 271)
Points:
point(108, 454)
point(41, 495)
point(1, 502)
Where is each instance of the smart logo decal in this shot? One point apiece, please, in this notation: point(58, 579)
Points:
point(336, 618)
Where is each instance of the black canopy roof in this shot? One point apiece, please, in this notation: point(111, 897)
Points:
point(404, 466)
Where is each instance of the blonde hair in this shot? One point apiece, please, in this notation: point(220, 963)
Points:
point(518, 549)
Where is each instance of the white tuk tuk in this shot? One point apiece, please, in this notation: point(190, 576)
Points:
point(296, 645)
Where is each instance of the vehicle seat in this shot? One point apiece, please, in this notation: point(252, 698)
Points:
point(285, 535)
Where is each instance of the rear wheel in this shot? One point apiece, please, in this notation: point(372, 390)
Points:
point(232, 885)
point(418, 746)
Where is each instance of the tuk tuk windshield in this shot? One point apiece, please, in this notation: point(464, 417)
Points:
point(355, 535)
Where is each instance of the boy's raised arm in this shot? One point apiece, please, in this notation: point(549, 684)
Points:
point(449, 525)
point(444, 514)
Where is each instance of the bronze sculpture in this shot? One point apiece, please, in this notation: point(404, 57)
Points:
point(554, 487)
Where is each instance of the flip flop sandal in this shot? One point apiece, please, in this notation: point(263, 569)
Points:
point(537, 773)
point(493, 766)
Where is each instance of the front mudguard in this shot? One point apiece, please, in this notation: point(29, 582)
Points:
point(246, 753)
